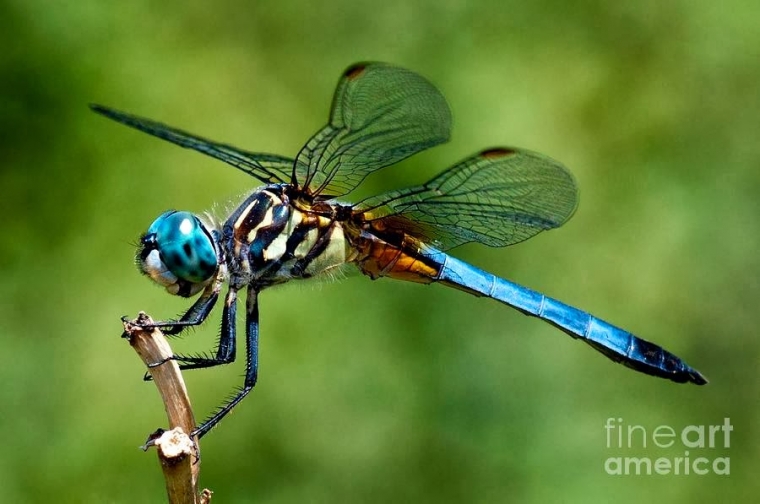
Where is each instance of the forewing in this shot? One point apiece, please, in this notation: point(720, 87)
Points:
point(498, 197)
point(268, 168)
point(380, 115)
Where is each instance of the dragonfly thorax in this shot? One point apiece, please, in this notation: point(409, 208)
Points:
point(179, 252)
point(270, 240)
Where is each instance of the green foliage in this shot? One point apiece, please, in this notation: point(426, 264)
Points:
point(381, 391)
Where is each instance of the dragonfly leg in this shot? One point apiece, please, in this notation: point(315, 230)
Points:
point(252, 363)
point(194, 316)
point(225, 350)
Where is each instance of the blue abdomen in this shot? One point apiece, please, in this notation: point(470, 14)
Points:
point(615, 343)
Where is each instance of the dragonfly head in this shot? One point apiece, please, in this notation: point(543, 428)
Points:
point(179, 252)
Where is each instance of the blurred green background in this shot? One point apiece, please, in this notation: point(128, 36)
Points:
point(384, 391)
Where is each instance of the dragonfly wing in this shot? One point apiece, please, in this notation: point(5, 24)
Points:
point(269, 168)
point(498, 197)
point(380, 115)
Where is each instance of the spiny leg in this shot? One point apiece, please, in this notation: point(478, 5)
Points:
point(196, 315)
point(225, 350)
point(251, 367)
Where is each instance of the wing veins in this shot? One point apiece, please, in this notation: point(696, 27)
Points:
point(499, 197)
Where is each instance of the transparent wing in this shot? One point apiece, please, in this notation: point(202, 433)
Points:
point(268, 168)
point(498, 197)
point(380, 115)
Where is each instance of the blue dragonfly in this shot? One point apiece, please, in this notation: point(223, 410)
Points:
point(295, 227)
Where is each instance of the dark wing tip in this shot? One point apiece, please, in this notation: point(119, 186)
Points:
point(497, 152)
point(355, 71)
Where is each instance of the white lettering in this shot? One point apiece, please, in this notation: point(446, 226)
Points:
point(632, 428)
point(700, 442)
point(699, 471)
point(670, 433)
point(727, 428)
point(613, 465)
point(725, 466)
point(662, 465)
point(638, 462)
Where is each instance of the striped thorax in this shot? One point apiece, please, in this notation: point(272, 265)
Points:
point(268, 240)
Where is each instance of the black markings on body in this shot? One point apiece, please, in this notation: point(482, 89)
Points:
point(323, 240)
point(299, 234)
point(267, 234)
point(258, 211)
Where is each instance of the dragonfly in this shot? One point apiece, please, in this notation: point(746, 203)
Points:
point(295, 226)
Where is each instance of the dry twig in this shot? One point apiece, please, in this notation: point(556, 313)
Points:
point(178, 454)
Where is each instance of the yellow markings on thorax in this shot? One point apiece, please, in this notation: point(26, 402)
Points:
point(334, 255)
point(312, 229)
point(266, 221)
point(307, 243)
point(278, 246)
point(244, 214)
point(239, 222)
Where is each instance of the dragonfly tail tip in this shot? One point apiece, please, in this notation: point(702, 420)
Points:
point(697, 378)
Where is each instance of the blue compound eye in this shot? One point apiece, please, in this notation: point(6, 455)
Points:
point(185, 246)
